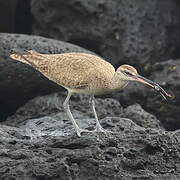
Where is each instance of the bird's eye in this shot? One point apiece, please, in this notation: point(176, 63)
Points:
point(127, 73)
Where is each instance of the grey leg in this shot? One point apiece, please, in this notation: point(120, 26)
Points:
point(99, 128)
point(68, 112)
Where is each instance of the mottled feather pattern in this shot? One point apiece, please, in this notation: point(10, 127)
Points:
point(75, 71)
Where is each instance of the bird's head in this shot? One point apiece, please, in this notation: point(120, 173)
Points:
point(129, 73)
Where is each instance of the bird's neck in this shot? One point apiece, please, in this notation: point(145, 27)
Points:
point(117, 83)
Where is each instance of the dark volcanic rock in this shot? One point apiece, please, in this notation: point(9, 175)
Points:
point(51, 106)
point(126, 31)
point(40, 44)
point(141, 117)
point(20, 82)
point(132, 153)
point(168, 75)
point(47, 147)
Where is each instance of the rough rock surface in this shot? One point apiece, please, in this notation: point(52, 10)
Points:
point(141, 117)
point(166, 73)
point(137, 32)
point(43, 145)
point(19, 82)
point(52, 105)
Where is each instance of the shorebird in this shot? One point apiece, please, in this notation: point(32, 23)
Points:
point(84, 74)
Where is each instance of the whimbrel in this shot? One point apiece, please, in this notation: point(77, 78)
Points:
point(84, 74)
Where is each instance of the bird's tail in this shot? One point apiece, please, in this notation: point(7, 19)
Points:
point(27, 57)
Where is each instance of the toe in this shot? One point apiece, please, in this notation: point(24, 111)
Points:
point(101, 129)
point(79, 131)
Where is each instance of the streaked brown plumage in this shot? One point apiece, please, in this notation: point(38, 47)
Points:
point(83, 73)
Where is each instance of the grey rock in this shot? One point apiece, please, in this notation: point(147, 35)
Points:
point(44, 115)
point(44, 145)
point(131, 152)
point(141, 117)
point(133, 93)
point(133, 32)
point(20, 82)
point(8, 42)
point(166, 74)
point(52, 105)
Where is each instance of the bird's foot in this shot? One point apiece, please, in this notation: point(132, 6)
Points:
point(98, 129)
point(101, 129)
point(79, 131)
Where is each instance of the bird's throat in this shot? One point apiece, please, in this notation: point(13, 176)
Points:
point(117, 84)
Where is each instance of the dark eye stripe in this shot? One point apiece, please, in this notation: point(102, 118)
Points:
point(127, 73)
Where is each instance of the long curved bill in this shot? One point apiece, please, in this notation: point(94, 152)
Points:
point(154, 85)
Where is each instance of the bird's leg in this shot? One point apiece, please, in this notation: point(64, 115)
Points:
point(68, 112)
point(99, 128)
